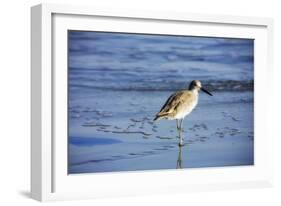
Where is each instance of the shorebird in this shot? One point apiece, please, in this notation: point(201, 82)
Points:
point(180, 104)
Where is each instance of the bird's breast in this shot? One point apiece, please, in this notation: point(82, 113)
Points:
point(187, 107)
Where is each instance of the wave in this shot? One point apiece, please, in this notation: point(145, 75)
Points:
point(139, 62)
point(221, 85)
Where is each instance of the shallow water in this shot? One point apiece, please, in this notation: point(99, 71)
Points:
point(115, 93)
point(218, 132)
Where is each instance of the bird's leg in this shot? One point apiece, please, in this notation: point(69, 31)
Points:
point(181, 121)
point(178, 128)
point(180, 132)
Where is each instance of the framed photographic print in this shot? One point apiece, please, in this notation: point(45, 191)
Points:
point(137, 102)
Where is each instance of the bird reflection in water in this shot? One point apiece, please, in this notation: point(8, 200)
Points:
point(179, 161)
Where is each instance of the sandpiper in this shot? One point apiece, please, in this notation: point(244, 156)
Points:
point(180, 104)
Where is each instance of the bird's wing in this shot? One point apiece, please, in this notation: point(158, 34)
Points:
point(171, 104)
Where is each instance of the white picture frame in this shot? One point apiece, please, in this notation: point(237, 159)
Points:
point(49, 179)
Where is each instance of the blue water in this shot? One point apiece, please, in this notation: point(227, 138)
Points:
point(117, 82)
point(153, 62)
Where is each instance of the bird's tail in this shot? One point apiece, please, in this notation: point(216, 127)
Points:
point(158, 117)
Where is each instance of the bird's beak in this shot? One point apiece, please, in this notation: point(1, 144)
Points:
point(204, 90)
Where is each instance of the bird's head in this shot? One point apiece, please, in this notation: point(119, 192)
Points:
point(196, 85)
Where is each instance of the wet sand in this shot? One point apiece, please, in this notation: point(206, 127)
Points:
point(119, 135)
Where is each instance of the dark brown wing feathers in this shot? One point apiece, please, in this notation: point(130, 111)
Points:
point(170, 105)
